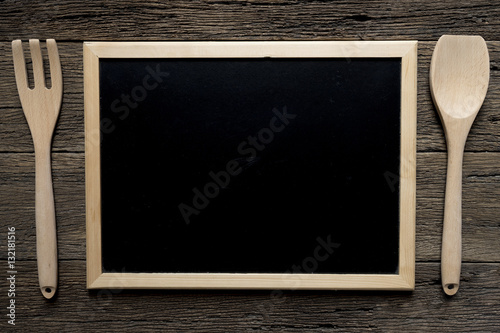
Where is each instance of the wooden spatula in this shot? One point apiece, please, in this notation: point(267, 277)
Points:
point(41, 108)
point(459, 77)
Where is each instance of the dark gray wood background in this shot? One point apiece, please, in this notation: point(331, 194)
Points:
point(476, 307)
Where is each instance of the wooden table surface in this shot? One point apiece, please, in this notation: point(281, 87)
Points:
point(476, 307)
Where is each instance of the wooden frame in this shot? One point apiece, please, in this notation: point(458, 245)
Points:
point(403, 280)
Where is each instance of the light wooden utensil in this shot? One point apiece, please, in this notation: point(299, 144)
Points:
point(459, 76)
point(41, 108)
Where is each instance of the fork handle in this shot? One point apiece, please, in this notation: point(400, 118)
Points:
point(451, 251)
point(46, 238)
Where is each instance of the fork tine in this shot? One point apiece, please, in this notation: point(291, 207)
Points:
point(55, 64)
point(36, 58)
point(19, 65)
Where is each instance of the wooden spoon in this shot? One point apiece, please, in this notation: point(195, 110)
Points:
point(459, 77)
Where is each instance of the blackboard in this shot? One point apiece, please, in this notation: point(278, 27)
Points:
point(236, 166)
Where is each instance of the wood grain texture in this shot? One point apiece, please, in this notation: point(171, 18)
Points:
point(481, 183)
point(475, 309)
point(69, 134)
point(247, 19)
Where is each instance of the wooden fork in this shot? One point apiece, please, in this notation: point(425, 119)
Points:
point(41, 108)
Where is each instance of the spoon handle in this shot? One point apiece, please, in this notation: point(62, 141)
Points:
point(46, 239)
point(451, 252)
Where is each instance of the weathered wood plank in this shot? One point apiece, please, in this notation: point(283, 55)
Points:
point(481, 190)
point(484, 135)
point(480, 208)
point(475, 308)
point(247, 19)
point(17, 202)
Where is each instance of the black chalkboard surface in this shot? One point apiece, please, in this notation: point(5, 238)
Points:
point(250, 165)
